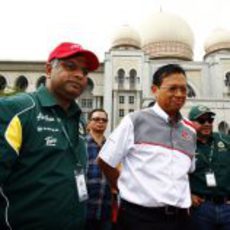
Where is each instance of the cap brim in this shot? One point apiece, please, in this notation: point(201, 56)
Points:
point(91, 58)
point(213, 114)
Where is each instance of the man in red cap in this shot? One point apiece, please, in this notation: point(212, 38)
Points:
point(42, 157)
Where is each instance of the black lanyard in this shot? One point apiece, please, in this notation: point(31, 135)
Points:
point(67, 137)
point(208, 159)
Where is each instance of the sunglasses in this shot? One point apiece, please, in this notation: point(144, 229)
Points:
point(73, 66)
point(97, 119)
point(204, 120)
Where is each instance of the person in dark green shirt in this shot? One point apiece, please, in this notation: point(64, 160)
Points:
point(210, 182)
point(42, 153)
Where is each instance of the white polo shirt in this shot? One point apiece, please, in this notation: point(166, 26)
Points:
point(156, 157)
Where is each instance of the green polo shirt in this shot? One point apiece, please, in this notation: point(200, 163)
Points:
point(213, 156)
point(40, 148)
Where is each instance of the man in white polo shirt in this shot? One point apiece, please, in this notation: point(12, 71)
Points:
point(156, 149)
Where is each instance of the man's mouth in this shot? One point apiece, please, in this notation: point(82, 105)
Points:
point(74, 84)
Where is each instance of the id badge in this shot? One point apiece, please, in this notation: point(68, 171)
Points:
point(81, 185)
point(210, 179)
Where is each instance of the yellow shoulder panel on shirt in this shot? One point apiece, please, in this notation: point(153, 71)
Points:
point(13, 134)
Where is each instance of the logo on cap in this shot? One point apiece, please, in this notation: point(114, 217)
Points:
point(203, 108)
point(75, 46)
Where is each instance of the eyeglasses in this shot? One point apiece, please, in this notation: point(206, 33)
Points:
point(202, 120)
point(97, 119)
point(73, 66)
point(173, 89)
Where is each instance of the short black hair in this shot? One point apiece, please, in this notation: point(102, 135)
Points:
point(97, 110)
point(165, 71)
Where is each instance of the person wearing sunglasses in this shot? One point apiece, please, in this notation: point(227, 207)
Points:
point(210, 183)
point(43, 154)
point(99, 203)
point(156, 148)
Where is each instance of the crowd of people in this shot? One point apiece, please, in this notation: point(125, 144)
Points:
point(158, 170)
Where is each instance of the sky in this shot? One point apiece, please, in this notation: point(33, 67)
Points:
point(30, 29)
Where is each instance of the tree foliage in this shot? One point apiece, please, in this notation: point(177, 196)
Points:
point(9, 92)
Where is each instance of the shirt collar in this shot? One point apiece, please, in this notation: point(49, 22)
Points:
point(45, 97)
point(90, 138)
point(160, 112)
point(48, 100)
point(209, 141)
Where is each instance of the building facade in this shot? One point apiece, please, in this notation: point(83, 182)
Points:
point(122, 84)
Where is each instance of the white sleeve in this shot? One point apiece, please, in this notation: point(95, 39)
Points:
point(118, 144)
point(193, 165)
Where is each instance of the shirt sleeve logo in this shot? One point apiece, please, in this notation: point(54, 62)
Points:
point(221, 144)
point(185, 135)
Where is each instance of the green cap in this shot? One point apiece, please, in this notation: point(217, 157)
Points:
point(199, 110)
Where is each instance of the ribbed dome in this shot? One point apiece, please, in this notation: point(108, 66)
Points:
point(219, 39)
point(126, 36)
point(167, 35)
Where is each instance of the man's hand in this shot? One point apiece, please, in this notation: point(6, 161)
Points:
point(196, 200)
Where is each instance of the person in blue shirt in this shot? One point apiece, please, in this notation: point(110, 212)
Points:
point(100, 200)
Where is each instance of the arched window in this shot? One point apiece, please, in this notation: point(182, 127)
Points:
point(191, 92)
point(227, 79)
point(21, 83)
point(121, 77)
point(90, 85)
point(3, 82)
point(223, 127)
point(86, 100)
point(41, 81)
point(132, 78)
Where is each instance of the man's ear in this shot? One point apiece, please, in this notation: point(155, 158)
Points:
point(154, 89)
point(48, 69)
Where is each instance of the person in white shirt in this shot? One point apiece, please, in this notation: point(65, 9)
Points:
point(156, 148)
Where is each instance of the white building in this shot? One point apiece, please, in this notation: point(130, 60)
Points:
point(122, 83)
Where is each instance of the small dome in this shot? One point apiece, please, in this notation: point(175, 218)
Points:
point(219, 39)
point(126, 36)
point(167, 35)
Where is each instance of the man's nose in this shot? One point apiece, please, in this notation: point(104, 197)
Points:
point(79, 74)
point(180, 92)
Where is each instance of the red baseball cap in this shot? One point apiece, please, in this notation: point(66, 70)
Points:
point(67, 49)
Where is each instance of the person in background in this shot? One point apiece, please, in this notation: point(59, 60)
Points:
point(99, 203)
point(210, 182)
point(156, 148)
point(43, 157)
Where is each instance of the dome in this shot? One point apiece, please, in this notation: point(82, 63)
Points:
point(167, 35)
point(126, 36)
point(219, 39)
